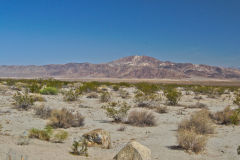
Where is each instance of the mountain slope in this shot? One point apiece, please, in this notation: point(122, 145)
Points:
point(127, 67)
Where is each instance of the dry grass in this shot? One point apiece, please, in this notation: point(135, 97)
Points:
point(191, 141)
point(44, 134)
point(200, 122)
point(65, 119)
point(60, 136)
point(141, 117)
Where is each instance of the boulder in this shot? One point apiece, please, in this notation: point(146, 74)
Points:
point(98, 137)
point(133, 151)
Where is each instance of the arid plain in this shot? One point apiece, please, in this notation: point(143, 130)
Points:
point(26, 105)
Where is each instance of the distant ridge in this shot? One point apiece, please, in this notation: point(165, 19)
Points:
point(142, 67)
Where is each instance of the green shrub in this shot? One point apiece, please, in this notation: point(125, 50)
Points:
point(65, 119)
point(116, 88)
point(35, 87)
point(117, 111)
point(173, 96)
point(70, 95)
point(23, 100)
point(60, 136)
point(44, 134)
point(147, 88)
point(88, 87)
point(49, 91)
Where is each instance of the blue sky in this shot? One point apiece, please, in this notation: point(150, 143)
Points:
point(60, 31)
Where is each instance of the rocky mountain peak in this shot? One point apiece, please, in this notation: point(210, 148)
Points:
point(136, 61)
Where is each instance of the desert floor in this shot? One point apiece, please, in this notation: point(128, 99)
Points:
point(160, 139)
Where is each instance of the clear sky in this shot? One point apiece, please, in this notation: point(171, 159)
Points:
point(60, 31)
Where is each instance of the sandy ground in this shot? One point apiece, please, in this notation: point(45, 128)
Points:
point(161, 139)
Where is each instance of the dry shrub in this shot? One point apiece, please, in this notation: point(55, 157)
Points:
point(122, 128)
point(226, 116)
point(192, 133)
point(161, 109)
point(43, 112)
point(38, 97)
point(23, 100)
point(141, 117)
point(200, 122)
point(105, 97)
point(190, 140)
point(197, 105)
point(92, 95)
point(124, 94)
point(65, 119)
point(70, 95)
point(117, 111)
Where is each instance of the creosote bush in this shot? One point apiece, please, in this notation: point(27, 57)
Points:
point(65, 119)
point(172, 95)
point(23, 100)
point(141, 117)
point(49, 91)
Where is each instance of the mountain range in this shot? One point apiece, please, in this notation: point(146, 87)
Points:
point(140, 67)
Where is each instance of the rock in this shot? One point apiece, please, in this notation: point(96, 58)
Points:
point(133, 151)
point(98, 137)
point(238, 150)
